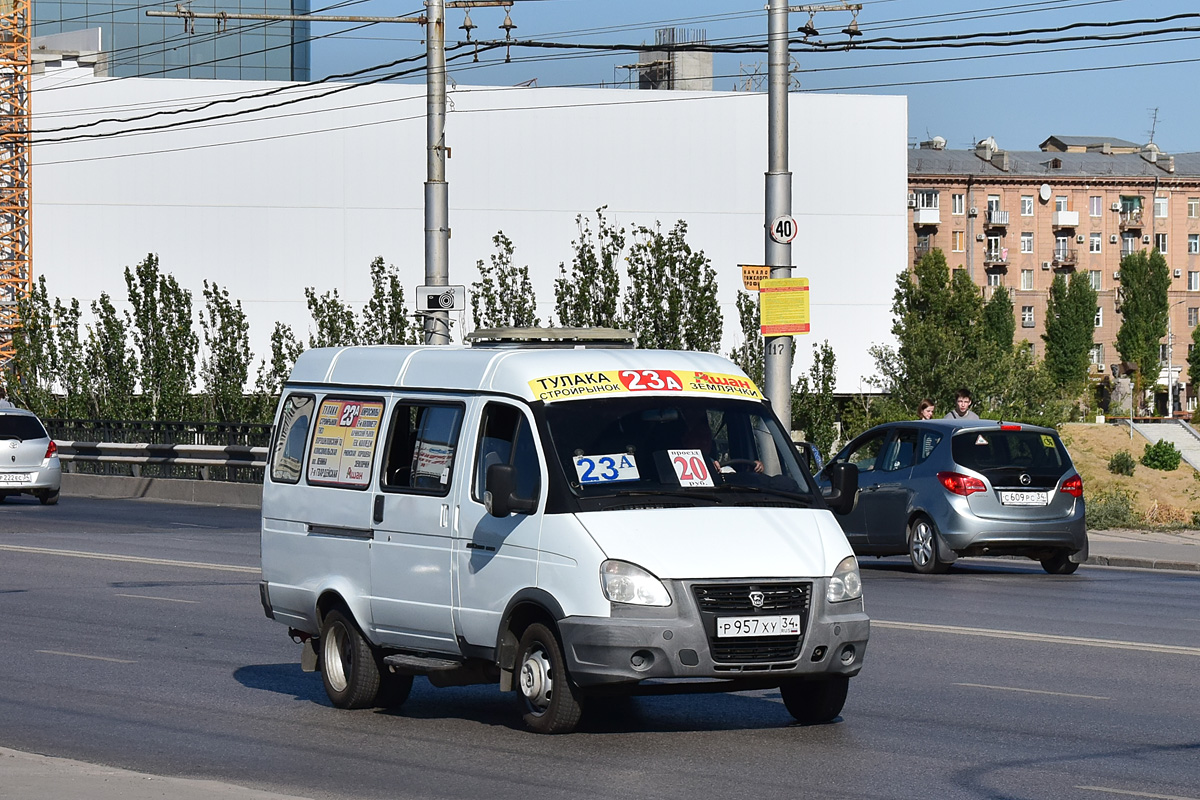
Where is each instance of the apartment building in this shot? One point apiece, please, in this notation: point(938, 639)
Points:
point(1019, 218)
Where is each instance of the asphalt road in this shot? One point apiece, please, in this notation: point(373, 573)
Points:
point(133, 637)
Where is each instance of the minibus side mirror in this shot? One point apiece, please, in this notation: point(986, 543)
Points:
point(843, 487)
point(499, 496)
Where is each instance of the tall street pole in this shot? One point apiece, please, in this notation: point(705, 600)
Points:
point(777, 360)
point(437, 198)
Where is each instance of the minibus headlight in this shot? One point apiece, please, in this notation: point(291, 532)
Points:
point(623, 582)
point(846, 584)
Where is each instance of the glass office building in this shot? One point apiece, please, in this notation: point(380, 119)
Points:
point(172, 47)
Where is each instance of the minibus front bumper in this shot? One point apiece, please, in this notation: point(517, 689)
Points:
point(639, 643)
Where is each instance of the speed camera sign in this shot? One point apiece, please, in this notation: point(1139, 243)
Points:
point(783, 229)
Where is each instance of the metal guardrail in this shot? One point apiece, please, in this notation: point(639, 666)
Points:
point(137, 455)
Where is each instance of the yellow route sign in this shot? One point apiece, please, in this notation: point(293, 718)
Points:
point(783, 305)
point(752, 274)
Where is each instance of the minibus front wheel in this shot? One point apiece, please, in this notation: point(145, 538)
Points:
point(550, 702)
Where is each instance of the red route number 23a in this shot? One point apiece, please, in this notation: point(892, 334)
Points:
point(350, 413)
point(650, 380)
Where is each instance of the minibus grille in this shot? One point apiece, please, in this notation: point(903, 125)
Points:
point(719, 600)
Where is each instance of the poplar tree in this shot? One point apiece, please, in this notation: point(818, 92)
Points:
point(671, 302)
point(332, 318)
point(110, 362)
point(749, 354)
point(1142, 304)
point(999, 325)
point(589, 294)
point(503, 297)
point(1070, 326)
point(226, 364)
point(813, 407)
point(30, 373)
point(385, 316)
point(161, 324)
point(274, 370)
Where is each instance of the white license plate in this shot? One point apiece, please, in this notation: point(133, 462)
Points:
point(14, 477)
point(1024, 498)
point(781, 625)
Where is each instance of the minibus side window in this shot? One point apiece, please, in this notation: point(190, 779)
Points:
point(288, 453)
point(421, 448)
point(506, 438)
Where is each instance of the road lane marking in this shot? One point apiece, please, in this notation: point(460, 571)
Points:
point(1049, 638)
point(152, 597)
point(1032, 691)
point(1137, 794)
point(164, 562)
point(81, 655)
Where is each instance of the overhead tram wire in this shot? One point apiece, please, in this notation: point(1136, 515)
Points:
point(689, 98)
point(143, 51)
point(344, 87)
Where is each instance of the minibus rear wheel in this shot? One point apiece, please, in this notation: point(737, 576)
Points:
point(551, 703)
point(348, 666)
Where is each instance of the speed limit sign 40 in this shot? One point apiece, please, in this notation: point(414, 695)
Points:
point(783, 229)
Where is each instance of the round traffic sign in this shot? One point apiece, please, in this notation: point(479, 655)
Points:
point(783, 229)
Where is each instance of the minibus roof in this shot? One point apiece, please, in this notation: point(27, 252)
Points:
point(549, 375)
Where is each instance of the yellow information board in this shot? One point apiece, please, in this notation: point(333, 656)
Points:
point(783, 305)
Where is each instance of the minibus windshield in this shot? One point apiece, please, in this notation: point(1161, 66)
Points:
point(723, 450)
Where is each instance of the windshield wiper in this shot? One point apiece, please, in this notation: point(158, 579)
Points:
point(697, 495)
point(805, 499)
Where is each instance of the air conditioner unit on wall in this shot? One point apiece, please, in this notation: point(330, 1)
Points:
point(1117, 275)
point(912, 199)
point(1079, 238)
point(1145, 238)
point(973, 211)
point(979, 237)
point(1178, 273)
point(1045, 265)
point(1112, 239)
point(1116, 206)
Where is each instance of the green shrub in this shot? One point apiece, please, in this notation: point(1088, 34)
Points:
point(1162, 455)
point(1111, 509)
point(1121, 463)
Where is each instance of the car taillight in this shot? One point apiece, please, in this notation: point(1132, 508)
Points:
point(51, 449)
point(1010, 427)
point(1073, 486)
point(961, 484)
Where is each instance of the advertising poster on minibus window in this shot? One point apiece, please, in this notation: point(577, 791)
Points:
point(344, 443)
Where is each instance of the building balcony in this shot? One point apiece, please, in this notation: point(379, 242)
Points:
point(1064, 259)
point(927, 216)
point(1131, 220)
point(996, 258)
point(920, 251)
point(997, 219)
point(1065, 219)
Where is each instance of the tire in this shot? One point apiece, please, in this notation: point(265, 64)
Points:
point(1059, 564)
point(549, 701)
point(923, 548)
point(394, 688)
point(48, 498)
point(348, 666)
point(814, 702)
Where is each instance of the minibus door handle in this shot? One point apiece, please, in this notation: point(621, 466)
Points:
point(378, 515)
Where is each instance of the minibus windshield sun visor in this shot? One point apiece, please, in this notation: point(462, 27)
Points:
point(684, 449)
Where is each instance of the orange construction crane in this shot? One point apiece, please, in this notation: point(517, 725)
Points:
point(16, 174)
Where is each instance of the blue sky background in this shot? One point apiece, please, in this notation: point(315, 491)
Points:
point(1020, 94)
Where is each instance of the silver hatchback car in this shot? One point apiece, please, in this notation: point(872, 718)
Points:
point(28, 457)
point(939, 490)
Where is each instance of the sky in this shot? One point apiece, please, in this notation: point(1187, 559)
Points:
point(1019, 91)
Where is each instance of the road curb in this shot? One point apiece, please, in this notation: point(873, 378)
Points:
point(1143, 563)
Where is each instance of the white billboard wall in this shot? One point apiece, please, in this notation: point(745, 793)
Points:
point(307, 194)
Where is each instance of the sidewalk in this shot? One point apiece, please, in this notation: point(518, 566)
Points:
point(1148, 549)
